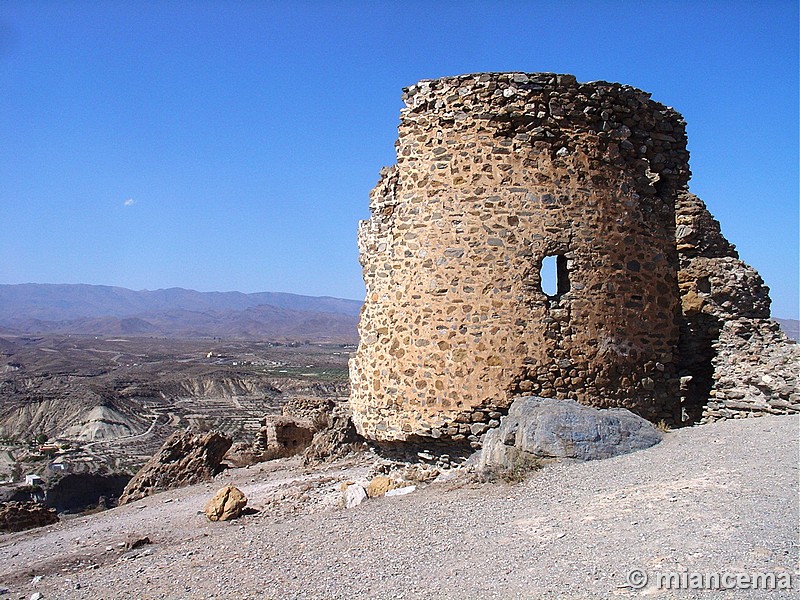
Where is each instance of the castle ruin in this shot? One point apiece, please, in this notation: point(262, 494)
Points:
point(499, 174)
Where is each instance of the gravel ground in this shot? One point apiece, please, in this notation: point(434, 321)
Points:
point(718, 498)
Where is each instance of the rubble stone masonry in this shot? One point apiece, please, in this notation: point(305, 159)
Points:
point(497, 173)
point(734, 360)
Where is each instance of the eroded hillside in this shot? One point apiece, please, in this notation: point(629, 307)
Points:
point(115, 400)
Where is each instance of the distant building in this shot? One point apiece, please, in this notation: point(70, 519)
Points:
point(33, 480)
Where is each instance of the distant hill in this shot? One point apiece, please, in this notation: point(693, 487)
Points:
point(791, 327)
point(177, 312)
point(174, 312)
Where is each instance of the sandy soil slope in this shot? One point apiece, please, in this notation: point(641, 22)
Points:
point(711, 499)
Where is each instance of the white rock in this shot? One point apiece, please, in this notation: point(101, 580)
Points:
point(401, 491)
point(354, 495)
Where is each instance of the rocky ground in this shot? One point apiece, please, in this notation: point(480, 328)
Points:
point(715, 498)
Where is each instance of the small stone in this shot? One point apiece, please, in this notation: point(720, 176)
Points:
point(135, 542)
point(478, 428)
point(621, 133)
point(354, 495)
point(380, 485)
point(228, 503)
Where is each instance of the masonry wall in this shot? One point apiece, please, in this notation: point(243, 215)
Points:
point(494, 173)
point(734, 361)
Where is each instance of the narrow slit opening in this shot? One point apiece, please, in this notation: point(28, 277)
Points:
point(554, 276)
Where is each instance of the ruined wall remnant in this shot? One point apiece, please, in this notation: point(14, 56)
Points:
point(734, 360)
point(496, 174)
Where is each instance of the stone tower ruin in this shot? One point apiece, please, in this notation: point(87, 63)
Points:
point(498, 174)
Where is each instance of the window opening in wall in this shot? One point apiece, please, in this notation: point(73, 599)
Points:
point(554, 275)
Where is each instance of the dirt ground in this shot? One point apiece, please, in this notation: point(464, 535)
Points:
point(712, 499)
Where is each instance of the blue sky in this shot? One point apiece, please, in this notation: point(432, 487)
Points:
point(232, 145)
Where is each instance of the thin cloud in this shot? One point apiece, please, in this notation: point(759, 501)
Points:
point(129, 202)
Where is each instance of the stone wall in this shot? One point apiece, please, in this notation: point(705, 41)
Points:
point(733, 359)
point(496, 172)
point(651, 309)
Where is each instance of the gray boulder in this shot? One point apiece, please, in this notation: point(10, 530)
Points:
point(547, 428)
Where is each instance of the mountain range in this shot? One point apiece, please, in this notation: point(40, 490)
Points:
point(791, 327)
point(175, 312)
point(33, 308)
